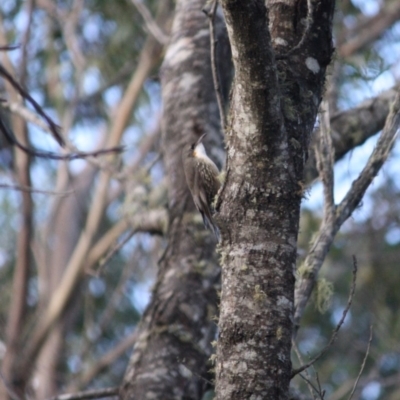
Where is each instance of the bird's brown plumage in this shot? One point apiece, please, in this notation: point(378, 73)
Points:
point(202, 179)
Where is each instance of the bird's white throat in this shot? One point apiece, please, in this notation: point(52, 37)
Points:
point(200, 152)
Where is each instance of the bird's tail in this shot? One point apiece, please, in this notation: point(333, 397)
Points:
point(211, 225)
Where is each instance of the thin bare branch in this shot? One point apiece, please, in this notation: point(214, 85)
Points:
point(310, 386)
point(154, 221)
point(320, 391)
point(338, 326)
point(68, 22)
point(52, 156)
point(89, 394)
point(9, 47)
point(369, 29)
point(22, 70)
point(151, 24)
point(351, 128)
point(108, 359)
point(363, 364)
point(213, 49)
point(324, 154)
point(75, 153)
point(26, 114)
point(117, 247)
point(30, 189)
point(107, 315)
point(54, 128)
point(308, 381)
point(103, 244)
point(374, 164)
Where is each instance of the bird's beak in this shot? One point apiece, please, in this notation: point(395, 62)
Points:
point(201, 138)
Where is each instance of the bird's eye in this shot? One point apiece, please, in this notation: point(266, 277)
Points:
point(193, 146)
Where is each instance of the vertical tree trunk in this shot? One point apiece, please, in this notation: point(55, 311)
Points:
point(169, 360)
point(64, 234)
point(273, 110)
point(18, 307)
point(17, 313)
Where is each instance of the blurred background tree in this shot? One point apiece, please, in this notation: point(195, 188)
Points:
point(82, 238)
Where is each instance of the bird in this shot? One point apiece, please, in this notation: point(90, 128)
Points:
point(202, 179)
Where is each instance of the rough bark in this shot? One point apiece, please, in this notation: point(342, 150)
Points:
point(170, 356)
point(273, 110)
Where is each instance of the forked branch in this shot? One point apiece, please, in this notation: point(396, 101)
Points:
point(332, 221)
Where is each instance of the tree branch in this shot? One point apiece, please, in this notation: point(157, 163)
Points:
point(107, 359)
point(52, 156)
point(351, 128)
point(323, 241)
point(252, 54)
point(149, 56)
point(370, 29)
point(151, 24)
point(363, 364)
point(55, 129)
point(374, 164)
point(89, 394)
point(30, 189)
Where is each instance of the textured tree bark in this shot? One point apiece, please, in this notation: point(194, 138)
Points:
point(273, 110)
point(170, 356)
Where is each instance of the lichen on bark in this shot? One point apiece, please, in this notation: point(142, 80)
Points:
point(273, 108)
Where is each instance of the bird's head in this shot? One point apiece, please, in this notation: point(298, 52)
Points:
point(196, 149)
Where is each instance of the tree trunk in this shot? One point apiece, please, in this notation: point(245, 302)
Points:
point(279, 77)
point(170, 357)
point(64, 234)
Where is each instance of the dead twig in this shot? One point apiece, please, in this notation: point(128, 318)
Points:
point(308, 381)
point(89, 394)
point(54, 128)
point(9, 47)
point(52, 156)
point(117, 246)
point(320, 391)
point(108, 359)
point(311, 387)
point(30, 189)
point(338, 326)
point(363, 364)
point(151, 24)
point(22, 70)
